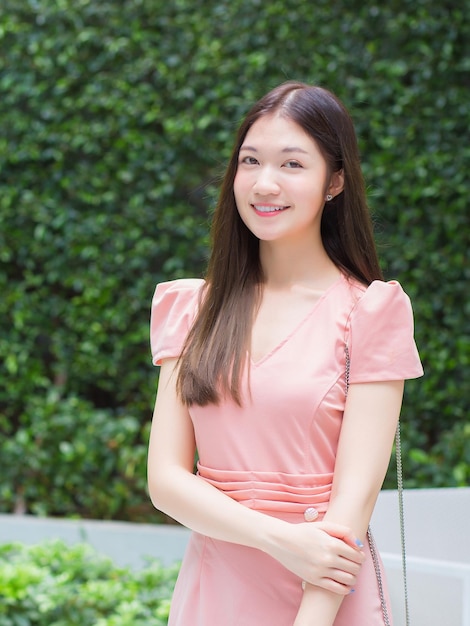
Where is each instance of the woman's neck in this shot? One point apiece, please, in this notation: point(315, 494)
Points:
point(287, 265)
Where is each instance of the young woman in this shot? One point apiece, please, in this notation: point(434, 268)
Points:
point(284, 369)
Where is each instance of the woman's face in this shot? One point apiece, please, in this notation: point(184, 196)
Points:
point(282, 180)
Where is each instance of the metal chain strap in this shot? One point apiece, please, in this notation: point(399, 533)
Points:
point(378, 574)
point(372, 544)
point(401, 508)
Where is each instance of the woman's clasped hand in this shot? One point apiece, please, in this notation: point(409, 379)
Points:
point(323, 554)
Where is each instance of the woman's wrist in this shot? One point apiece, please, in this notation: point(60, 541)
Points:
point(271, 534)
point(318, 607)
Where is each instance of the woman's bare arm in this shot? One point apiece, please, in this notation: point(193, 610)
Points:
point(366, 440)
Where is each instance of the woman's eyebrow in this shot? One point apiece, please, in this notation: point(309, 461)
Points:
point(288, 149)
point(294, 149)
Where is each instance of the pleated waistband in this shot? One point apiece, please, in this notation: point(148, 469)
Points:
point(275, 492)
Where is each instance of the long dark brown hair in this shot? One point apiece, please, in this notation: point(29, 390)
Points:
point(215, 352)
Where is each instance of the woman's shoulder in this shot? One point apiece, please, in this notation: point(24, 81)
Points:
point(174, 307)
point(379, 297)
point(380, 332)
point(176, 296)
point(181, 287)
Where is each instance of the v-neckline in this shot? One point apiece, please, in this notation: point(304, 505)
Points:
point(258, 362)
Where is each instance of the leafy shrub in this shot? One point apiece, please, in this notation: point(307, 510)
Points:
point(52, 584)
point(116, 120)
point(84, 460)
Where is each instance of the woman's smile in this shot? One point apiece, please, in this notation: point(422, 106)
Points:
point(269, 209)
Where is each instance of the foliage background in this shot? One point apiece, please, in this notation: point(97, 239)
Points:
point(116, 121)
point(52, 584)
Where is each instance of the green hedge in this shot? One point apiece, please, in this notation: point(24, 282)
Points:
point(52, 584)
point(117, 118)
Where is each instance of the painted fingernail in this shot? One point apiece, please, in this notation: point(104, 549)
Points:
point(358, 543)
point(352, 591)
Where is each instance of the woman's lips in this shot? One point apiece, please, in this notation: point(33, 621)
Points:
point(269, 209)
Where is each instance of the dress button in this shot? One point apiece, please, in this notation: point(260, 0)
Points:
point(310, 514)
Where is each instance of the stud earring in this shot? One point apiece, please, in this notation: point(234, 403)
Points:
point(329, 197)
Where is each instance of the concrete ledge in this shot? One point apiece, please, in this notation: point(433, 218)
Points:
point(127, 544)
point(439, 591)
point(438, 554)
point(436, 522)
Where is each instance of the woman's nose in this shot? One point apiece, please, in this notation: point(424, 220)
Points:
point(266, 182)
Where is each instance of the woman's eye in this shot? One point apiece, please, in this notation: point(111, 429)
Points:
point(292, 164)
point(249, 160)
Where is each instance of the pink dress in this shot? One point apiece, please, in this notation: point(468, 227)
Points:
point(277, 453)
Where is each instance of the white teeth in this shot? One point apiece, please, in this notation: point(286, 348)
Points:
point(268, 209)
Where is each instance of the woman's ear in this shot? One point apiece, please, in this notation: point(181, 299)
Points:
point(336, 185)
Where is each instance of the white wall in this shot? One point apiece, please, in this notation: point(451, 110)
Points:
point(438, 554)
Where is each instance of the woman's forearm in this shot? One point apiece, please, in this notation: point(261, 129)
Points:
point(319, 607)
point(199, 506)
point(317, 552)
point(366, 439)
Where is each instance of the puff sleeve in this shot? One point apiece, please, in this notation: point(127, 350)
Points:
point(381, 342)
point(174, 307)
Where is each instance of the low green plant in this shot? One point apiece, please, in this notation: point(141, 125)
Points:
point(52, 584)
